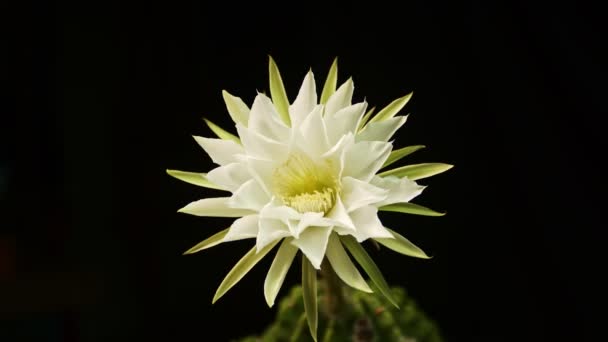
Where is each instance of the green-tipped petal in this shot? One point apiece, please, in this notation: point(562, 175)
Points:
point(402, 245)
point(366, 118)
point(343, 266)
point(278, 270)
point(410, 208)
point(359, 253)
point(196, 178)
point(238, 110)
point(417, 171)
point(396, 155)
point(277, 91)
point(241, 268)
point(214, 240)
point(222, 133)
point(392, 109)
point(309, 294)
point(329, 88)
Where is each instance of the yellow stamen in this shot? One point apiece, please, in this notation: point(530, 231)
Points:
point(305, 185)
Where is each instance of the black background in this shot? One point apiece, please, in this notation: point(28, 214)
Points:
point(102, 98)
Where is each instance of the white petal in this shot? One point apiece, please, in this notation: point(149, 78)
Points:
point(260, 146)
point(270, 230)
point(221, 151)
point(249, 196)
point(313, 133)
point(280, 212)
point(217, 207)
point(381, 130)
point(343, 121)
point(368, 225)
point(305, 101)
point(262, 171)
point(230, 176)
point(340, 217)
point(363, 159)
point(238, 110)
point(399, 189)
point(311, 219)
point(313, 243)
point(265, 120)
point(356, 194)
point(244, 228)
point(338, 152)
point(341, 98)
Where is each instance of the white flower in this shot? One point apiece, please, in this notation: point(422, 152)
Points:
point(307, 175)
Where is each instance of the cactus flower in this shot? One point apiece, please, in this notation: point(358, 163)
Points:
point(307, 176)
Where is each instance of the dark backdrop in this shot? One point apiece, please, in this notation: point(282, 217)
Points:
point(102, 98)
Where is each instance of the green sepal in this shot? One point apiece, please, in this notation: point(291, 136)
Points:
point(365, 118)
point(369, 266)
point(277, 91)
point(238, 110)
point(396, 155)
point(417, 171)
point(410, 208)
point(213, 240)
point(343, 266)
point(309, 295)
point(222, 133)
point(241, 268)
point(196, 178)
point(329, 88)
point(392, 109)
point(278, 270)
point(402, 245)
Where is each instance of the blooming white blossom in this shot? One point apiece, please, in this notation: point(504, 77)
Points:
point(307, 175)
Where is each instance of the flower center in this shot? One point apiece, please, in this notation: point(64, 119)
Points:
point(305, 185)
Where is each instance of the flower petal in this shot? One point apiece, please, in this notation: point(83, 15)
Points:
point(270, 230)
point(245, 227)
point(221, 151)
point(230, 176)
point(399, 189)
point(260, 146)
point(311, 219)
point(249, 196)
point(265, 120)
point(213, 207)
point(262, 171)
point(356, 194)
point(381, 130)
point(343, 121)
point(238, 110)
point(341, 98)
point(313, 242)
point(340, 217)
point(313, 133)
point(368, 225)
point(305, 101)
point(363, 159)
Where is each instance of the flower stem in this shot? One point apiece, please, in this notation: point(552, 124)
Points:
point(334, 292)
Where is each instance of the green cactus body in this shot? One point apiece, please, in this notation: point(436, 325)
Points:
point(365, 317)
